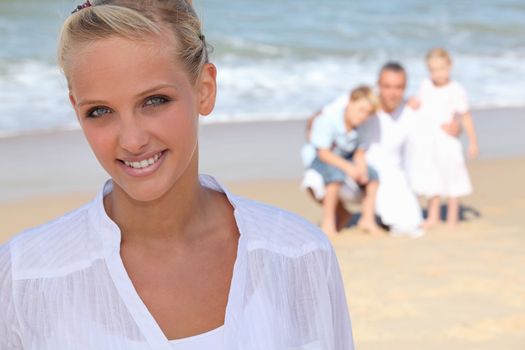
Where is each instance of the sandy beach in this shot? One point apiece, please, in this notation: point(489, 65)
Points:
point(448, 290)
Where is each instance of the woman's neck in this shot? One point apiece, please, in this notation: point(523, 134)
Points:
point(176, 216)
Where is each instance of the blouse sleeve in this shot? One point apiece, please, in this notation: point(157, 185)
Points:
point(9, 327)
point(343, 339)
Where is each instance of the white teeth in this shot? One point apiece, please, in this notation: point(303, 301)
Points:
point(143, 163)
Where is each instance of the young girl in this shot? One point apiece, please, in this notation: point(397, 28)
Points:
point(163, 258)
point(440, 169)
point(340, 155)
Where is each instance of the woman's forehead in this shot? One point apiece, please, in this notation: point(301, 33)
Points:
point(119, 61)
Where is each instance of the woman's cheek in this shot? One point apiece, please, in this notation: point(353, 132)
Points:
point(101, 141)
point(180, 122)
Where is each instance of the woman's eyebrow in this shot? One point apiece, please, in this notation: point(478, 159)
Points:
point(91, 102)
point(143, 93)
point(158, 87)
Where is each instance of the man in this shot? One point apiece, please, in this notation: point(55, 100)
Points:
point(387, 135)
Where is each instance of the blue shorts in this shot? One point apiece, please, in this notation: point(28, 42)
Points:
point(332, 173)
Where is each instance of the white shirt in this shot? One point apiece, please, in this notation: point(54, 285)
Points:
point(64, 286)
point(386, 135)
point(212, 340)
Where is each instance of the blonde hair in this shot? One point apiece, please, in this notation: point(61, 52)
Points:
point(364, 91)
point(438, 52)
point(137, 20)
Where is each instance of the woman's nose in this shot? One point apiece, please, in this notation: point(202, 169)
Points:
point(133, 137)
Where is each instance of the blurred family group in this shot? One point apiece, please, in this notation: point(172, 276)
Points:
point(385, 150)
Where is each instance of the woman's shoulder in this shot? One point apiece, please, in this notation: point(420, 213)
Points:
point(268, 227)
point(5, 264)
point(51, 248)
point(278, 230)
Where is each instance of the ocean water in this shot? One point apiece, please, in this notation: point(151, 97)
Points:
point(283, 59)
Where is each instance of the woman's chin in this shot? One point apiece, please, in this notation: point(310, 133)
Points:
point(142, 192)
point(142, 196)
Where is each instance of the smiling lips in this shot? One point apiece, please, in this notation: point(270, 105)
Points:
point(143, 163)
point(144, 166)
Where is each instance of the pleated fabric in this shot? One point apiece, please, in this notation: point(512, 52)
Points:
point(63, 286)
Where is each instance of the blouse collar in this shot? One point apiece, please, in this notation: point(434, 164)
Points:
point(110, 234)
point(110, 238)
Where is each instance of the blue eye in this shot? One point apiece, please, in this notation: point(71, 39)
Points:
point(98, 112)
point(156, 101)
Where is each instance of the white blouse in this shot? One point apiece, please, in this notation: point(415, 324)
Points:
point(63, 286)
point(212, 340)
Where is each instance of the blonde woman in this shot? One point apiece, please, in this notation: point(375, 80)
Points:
point(163, 258)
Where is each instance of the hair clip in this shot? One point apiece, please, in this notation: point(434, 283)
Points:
point(202, 37)
point(83, 6)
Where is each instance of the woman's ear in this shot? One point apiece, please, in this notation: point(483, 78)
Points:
point(207, 89)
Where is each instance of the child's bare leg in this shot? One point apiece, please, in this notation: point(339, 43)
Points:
point(328, 225)
point(433, 215)
point(368, 219)
point(343, 215)
point(453, 212)
point(312, 195)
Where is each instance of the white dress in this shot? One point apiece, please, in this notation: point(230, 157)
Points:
point(63, 286)
point(385, 136)
point(437, 166)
